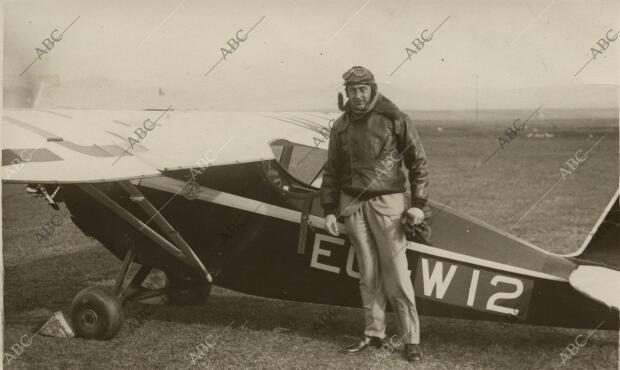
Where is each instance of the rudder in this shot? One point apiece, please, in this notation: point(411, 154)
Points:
point(602, 245)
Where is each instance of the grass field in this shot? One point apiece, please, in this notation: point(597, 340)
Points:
point(252, 332)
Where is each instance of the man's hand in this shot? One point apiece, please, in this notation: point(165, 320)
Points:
point(332, 225)
point(416, 214)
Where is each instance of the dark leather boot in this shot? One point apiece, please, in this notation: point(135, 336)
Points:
point(413, 352)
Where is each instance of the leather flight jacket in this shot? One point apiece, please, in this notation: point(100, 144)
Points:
point(365, 157)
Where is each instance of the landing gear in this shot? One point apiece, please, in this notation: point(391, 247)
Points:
point(96, 314)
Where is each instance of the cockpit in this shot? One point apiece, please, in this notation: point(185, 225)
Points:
point(297, 168)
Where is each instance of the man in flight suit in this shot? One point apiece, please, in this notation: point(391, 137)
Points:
point(363, 181)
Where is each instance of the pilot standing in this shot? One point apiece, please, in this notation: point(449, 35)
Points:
point(363, 181)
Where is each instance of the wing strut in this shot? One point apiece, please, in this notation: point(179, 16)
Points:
point(180, 249)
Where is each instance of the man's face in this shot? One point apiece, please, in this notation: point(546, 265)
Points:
point(359, 95)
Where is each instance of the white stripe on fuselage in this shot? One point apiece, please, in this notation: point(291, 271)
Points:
point(175, 186)
point(171, 185)
point(426, 249)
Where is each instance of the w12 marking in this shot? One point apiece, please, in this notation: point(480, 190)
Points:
point(465, 286)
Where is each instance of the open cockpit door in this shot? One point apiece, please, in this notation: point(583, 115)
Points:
point(296, 171)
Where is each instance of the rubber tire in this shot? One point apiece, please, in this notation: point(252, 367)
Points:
point(186, 292)
point(101, 308)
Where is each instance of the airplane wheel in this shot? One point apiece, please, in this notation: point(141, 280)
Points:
point(187, 292)
point(96, 314)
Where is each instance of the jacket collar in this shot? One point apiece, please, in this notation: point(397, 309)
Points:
point(383, 106)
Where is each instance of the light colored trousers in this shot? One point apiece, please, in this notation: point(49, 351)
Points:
point(376, 234)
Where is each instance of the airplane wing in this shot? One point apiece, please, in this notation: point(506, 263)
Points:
point(78, 146)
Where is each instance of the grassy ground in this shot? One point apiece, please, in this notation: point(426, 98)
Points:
point(42, 276)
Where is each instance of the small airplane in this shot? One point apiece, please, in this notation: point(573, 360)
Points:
point(231, 199)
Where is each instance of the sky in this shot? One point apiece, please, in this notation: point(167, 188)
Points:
point(147, 54)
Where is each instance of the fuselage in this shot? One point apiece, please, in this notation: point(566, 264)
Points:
point(245, 227)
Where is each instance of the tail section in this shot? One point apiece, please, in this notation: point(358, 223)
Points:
point(602, 245)
point(598, 283)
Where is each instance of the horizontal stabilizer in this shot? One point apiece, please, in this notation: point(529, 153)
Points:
point(599, 283)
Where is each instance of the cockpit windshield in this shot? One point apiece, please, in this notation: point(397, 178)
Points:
point(302, 162)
